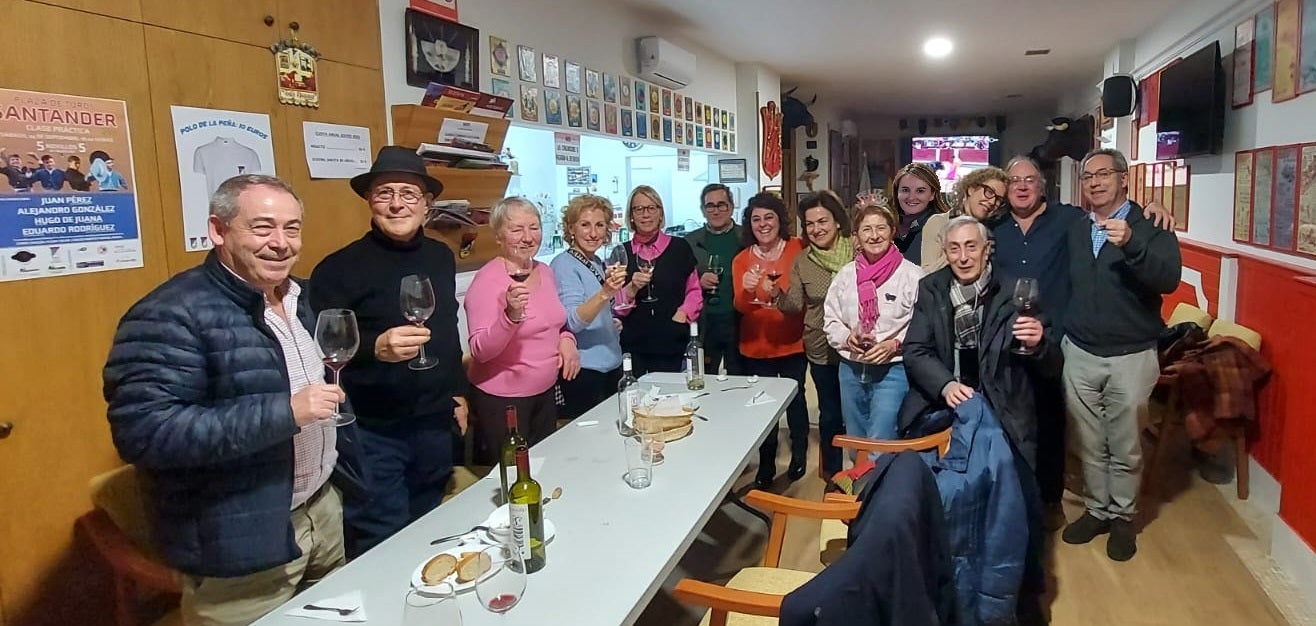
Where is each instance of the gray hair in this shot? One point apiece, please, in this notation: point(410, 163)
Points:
point(1023, 158)
point(1121, 163)
point(498, 216)
point(957, 223)
point(224, 204)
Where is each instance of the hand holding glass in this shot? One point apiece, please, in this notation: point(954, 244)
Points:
point(715, 267)
point(337, 335)
point(646, 266)
point(617, 257)
point(757, 270)
point(1026, 301)
point(417, 298)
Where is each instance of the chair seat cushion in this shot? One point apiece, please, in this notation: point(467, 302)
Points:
point(833, 537)
point(763, 580)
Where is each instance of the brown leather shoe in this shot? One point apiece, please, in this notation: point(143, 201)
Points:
point(1085, 529)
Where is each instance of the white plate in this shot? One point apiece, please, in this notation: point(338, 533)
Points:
point(451, 580)
point(499, 519)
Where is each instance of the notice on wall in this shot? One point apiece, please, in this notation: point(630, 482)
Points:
point(68, 203)
point(454, 129)
point(566, 148)
point(335, 150)
point(214, 146)
point(682, 159)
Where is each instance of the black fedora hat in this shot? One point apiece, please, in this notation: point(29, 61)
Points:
point(396, 160)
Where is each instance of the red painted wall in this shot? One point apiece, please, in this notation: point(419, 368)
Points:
point(1204, 259)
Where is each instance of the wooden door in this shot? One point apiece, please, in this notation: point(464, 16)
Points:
point(346, 31)
point(123, 9)
point(241, 21)
point(58, 331)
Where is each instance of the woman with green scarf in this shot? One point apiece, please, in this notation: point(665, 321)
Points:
point(826, 227)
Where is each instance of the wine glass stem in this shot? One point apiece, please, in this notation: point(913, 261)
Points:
point(338, 406)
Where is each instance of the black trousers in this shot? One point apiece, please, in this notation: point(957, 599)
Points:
point(1050, 399)
point(797, 412)
point(536, 420)
point(407, 470)
point(827, 382)
point(589, 388)
point(721, 338)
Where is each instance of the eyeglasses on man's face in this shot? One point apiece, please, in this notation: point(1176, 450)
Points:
point(386, 194)
point(1024, 180)
point(1103, 174)
point(721, 205)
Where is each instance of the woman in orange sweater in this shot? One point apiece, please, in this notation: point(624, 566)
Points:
point(771, 342)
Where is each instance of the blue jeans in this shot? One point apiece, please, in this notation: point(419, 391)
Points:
point(406, 474)
point(871, 409)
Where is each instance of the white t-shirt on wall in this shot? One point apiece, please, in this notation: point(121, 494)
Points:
point(223, 159)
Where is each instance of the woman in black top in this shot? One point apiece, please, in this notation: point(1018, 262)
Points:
point(655, 329)
point(917, 190)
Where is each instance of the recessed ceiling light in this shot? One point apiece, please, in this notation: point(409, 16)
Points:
point(938, 47)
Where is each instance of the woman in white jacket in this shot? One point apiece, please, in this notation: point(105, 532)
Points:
point(865, 315)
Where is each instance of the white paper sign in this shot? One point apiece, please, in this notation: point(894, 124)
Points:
point(214, 146)
point(682, 159)
point(451, 129)
point(566, 148)
point(335, 150)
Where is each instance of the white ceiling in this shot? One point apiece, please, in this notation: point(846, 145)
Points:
point(864, 57)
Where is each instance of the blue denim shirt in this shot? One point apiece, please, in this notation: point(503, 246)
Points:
point(599, 341)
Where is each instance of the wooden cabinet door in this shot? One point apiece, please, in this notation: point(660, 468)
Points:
point(58, 331)
point(346, 31)
point(130, 10)
point(335, 215)
point(235, 20)
point(191, 70)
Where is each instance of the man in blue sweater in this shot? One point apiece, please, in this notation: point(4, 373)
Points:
point(1120, 267)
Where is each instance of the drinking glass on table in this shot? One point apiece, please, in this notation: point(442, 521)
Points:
point(639, 461)
point(417, 299)
point(501, 588)
point(337, 336)
point(432, 607)
point(1025, 300)
point(646, 266)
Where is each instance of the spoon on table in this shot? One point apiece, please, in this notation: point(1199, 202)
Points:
point(557, 493)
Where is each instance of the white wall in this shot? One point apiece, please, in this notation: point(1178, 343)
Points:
point(1263, 123)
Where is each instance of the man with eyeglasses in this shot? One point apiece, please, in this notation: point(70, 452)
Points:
point(719, 236)
point(409, 418)
point(1120, 266)
point(1030, 242)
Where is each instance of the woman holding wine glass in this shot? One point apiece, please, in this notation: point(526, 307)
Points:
point(828, 230)
point(771, 341)
point(518, 334)
point(586, 287)
point(663, 296)
point(865, 315)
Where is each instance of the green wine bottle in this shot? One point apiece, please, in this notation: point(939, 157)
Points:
point(513, 441)
point(527, 514)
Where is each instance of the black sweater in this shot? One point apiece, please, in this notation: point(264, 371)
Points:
point(366, 276)
point(649, 328)
point(1115, 308)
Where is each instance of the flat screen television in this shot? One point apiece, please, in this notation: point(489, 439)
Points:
point(1191, 121)
point(951, 157)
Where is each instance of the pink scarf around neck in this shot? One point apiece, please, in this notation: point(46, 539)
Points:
point(867, 277)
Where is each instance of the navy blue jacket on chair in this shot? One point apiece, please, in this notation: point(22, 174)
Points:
point(198, 400)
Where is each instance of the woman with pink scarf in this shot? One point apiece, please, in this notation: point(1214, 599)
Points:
point(865, 315)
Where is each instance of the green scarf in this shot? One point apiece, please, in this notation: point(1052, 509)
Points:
point(842, 252)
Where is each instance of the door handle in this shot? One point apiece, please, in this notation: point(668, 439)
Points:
point(5, 429)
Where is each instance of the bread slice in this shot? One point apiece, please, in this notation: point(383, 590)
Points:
point(474, 566)
point(438, 568)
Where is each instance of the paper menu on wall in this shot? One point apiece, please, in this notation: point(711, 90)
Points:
point(335, 150)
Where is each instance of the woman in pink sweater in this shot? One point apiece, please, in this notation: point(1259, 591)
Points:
point(518, 335)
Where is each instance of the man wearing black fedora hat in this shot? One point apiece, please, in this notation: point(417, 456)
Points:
point(409, 410)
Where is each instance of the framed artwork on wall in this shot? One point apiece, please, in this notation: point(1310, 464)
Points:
point(1285, 203)
point(1287, 23)
point(553, 107)
point(500, 56)
point(593, 84)
point(1307, 48)
point(572, 77)
point(1241, 93)
point(1243, 196)
point(440, 51)
point(641, 96)
point(529, 103)
point(552, 71)
point(610, 88)
point(1263, 46)
point(574, 112)
point(627, 123)
point(1306, 239)
point(624, 91)
point(1263, 180)
point(526, 70)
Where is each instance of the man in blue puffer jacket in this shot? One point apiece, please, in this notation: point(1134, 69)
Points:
point(216, 393)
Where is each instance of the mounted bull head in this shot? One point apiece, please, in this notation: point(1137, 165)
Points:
point(1066, 138)
point(794, 113)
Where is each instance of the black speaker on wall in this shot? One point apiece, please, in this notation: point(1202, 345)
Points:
point(1119, 95)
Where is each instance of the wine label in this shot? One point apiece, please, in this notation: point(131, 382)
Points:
point(632, 398)
point(521, 528)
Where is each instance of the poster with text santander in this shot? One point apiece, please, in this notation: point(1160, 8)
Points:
point(68, 200)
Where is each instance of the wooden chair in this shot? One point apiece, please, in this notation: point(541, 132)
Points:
point(753, 596)
point(833, 534)
point(119, 530)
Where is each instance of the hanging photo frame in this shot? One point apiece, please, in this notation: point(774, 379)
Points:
point(439, 51)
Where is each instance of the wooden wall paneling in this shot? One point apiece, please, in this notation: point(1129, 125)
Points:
point(1294, 379)
point(50, 378)
point(335, 215)
point(123, 9)
point(346, 31)
point(242, 21)
point(237, 77)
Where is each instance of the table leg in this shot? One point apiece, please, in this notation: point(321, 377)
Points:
point(735, 499)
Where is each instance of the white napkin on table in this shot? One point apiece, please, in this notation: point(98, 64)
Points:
point(350, 600)
point(760, 397)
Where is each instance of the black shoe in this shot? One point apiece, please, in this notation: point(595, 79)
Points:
point(762, 483)
point(1123, 541)
point(796, 470)
point(1084, 529)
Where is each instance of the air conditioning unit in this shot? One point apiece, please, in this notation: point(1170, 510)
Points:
point(664, 63)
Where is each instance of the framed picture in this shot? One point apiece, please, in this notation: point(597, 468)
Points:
point(731, 123)
point(1306, 243)
point(439, 51)
point(689, 133)
point(624, 92)
point(525, 64)
point(708, 115)
point(553, 107)
point(627, 123)
point(572, 77)
point(699, 136)
point(503, 87)
point(679, 131)
point(610, 88)
point(699, 113)
point(610, 119)
point(655, 126)
point(593, 115)
point(732, 171)
point(641, 96)
point(1307, 49)
point(655, 104)
point(667, 130)
point(642, 125)
point(552, 71)
point(732, 139)
point(678, 107)
point(500, 57)
point(1263, 180)
point(667, 102)
point(1263, 46)
point(1287, 23)
point(574, 113)
point(530, 103)
point(689, 106)
point(593, 84)
point(1285, 204)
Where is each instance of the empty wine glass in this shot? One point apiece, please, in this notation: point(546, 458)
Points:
point(646, 266)
point(619, 257)
point(758, 270)
point(502, 586)
point(432, 607)
point(715, 266)
point(1025, 300)
point(417, 298)
point(337, 335)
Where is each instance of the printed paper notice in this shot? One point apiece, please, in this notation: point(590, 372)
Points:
point(452, 129)
point(214, 146)
point(336, 151)
point(68, 201)
point(682, 159)
point(566, 148)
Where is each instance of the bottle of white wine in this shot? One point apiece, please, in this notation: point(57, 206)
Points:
point(694, 360)
point(628, 395)
point(527, 514)
point(514, 440)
